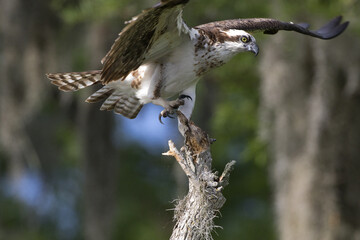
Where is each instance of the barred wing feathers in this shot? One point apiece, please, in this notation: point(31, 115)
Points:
point(138, 38)
point(271, 26)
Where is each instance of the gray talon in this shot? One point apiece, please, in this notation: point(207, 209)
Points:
point(164, 114)
point(160, 119)
point(183, 96)
point(173, 105)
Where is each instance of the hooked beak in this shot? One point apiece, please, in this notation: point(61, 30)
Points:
point(254, 48)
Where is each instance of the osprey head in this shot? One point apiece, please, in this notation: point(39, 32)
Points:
point(241, 41)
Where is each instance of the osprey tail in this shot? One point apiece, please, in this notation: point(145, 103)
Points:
point(74, 81)
point(120, 100)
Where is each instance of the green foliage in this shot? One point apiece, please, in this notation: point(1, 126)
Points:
point(235, 126)
point(235, 121)
point(16, 216)
point(96, 10)
point(146, 182)
point(67, 140)
point(85, 10)
point(11, 216)
point(142, 214)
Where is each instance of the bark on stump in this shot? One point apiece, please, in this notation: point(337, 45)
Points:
point(195, 213)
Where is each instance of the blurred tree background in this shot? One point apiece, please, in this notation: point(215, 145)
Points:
point(290, 117)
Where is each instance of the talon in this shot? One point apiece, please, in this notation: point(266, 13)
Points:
point(183, 96)
point(164, 114)
point(171, 107)
point(160, 119)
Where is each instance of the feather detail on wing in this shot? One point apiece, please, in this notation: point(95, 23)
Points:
point(122, 103)
point(271, 26)
point(143, 35)
point(73, 81)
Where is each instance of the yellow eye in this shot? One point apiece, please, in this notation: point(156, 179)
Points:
point(244, 39)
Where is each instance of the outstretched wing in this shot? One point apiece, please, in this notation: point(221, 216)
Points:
point(141, 36)
point(271, 26)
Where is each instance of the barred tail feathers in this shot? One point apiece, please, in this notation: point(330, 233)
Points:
point(121, 102)
point(101, 94)
point(73, 81)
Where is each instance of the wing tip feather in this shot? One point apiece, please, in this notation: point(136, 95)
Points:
point(333, 28)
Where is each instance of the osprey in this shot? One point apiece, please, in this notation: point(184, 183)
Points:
point(157, 57)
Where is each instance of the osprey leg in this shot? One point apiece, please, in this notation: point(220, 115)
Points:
point(169, 107)
point(188, 107)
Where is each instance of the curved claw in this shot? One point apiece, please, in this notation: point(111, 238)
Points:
point(160, 116)
point(163, 114)
point(172, 106)
point(183, 96)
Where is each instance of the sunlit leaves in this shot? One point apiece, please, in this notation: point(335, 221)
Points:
point(95, 10)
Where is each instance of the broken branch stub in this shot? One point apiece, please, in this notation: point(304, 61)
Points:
point(195, 213)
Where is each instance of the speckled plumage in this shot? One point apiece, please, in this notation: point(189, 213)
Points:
point(157, 56)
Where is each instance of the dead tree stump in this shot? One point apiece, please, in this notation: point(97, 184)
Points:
point(194, 215)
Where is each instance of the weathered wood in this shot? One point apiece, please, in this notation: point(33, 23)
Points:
point(195, 213)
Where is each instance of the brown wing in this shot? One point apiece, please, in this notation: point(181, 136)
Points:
point(271, 26)
point(129, 50)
